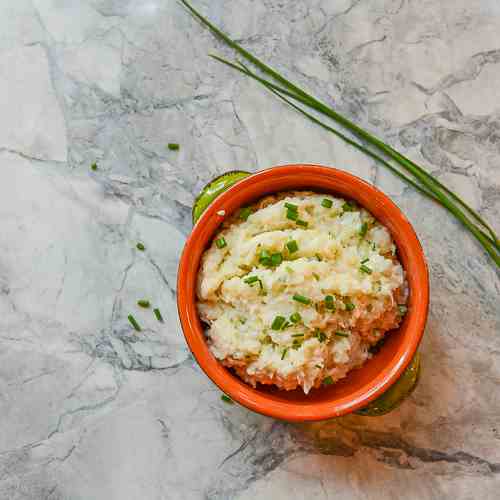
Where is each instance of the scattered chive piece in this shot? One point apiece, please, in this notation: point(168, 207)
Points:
point(292, 246)
point(278, 322)
point(318, 257)
point(245, 213)
point(301, 299)
point(328, 381)
point(318, 366)
point(365, 269)
point(374, 247)
point(251, 280)
point(316, 276)
point(242, 320)
point(295, 317)
point(291, 207)
point(173, 146)
point(321, 336)
point(286, 324)
point(140, 247)
point(365, 260)
point(158, 315)
point(301, 222)
point(348, 206)
point(220, 243)
point(363, 230)
point(402, 310)
point(296, 344)
point(290, 214)
point(265, 257)
point(226, 399)
point(329, 304)
point(340, 333)
point(285, 350)
point(327, 203)
point(349, 306)
point(144, 303)
point(289, 269)
point(276, 259)
point(134, 323)
point(298, 335)
point(93, 166)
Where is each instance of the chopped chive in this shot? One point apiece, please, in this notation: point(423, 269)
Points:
point(349, 306)
point(321, 336)
point(301, 222)
point(144, 303)
point(374, 247)
point(296, 344)
point(291, 207)
point(295, 317)
point(365, 269)
point(329, 302)
point(289, 269)
point(265, 257)
point(363, 230)
point(93, 166)
point(134, 323)
point(226, 399)
point(140, 247)
point(402, 310)
point(242, 320)
point(327, 203)
point(173, 146)
point(251, 280)
point(316, 276)
point(278, 322)
point(365, 260)
point(340, 333)
point(349, 206)
point(158, 315)
point(285, 350)
point(292, 246)
point(245, 212)
point(286, 324)
point(328, 381)
point(301, 299)
point(276, 259)
point(220, 243)
point(290, 214)
point(318, 257)
point(318, 366)
point(298, 335)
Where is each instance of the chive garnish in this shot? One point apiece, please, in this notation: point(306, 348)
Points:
point(265, 257)
point(158, 315)
point(329, 302)
point(298, 335)
point(349, 306)
point(301, 222)
point(296, 344)
point(285, 350)
point(321, 336)
point(134, 323)
point(144, 303)
point(286, 324)
point(327, 203)
point(276, 259)
point(292, 246)
point(402, 310)
point(295, 317)
point(318, 257)
point(349, 206)
point(365, 269)
point(316, 276)
point(318, 366)
point(301, 299)
point(220, 243)
point(328, 381)
point(226, 399)
point(291, 207)
point(278, 322)
point(140, 247)
point(93, 166)
point(365, 260)
point(245, 212)
point(251, 280)
point(173, 146)
point(290, 214)
point(363, 230)
point(289, 269)
point(340, 333)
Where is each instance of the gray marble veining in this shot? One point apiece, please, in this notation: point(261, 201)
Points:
point(89, 409)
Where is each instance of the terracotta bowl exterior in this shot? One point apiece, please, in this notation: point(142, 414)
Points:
point(361, 385)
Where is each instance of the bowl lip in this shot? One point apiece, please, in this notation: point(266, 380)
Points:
point(243, 393)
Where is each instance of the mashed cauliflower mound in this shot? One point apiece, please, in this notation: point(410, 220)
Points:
point(297, 288)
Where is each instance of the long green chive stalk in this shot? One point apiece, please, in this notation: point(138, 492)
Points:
point(423, 181)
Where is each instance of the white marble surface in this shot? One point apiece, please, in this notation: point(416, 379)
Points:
point(89, 409)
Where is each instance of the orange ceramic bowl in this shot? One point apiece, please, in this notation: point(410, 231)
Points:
point(361, 385)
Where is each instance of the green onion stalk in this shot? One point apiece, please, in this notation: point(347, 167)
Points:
point(406, 169)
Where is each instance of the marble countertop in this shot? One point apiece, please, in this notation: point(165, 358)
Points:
point(90, 409)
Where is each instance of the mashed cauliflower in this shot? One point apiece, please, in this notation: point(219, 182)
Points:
point(297, 288)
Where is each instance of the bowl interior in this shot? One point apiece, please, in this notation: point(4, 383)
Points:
point(361, 385)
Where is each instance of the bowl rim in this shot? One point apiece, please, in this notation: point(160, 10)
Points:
point(243, 393)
